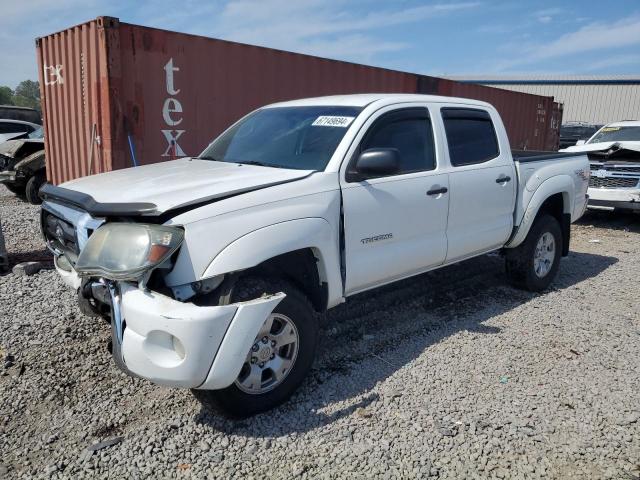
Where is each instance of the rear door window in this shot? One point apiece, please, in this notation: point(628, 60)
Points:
point(471, 136)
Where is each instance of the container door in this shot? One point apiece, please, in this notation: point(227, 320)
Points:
point(395, 225)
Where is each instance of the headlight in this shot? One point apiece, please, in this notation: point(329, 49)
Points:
point(125, 251)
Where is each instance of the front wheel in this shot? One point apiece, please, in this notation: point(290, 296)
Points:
point(534, 264)
point(280, 357)
point(33, 187)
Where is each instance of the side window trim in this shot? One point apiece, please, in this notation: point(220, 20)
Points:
point(406, 113)
point(468, 113)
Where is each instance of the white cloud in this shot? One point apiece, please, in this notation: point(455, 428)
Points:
point(594, 37)
point(323, 28)
point(547, 15)
point(614, 61)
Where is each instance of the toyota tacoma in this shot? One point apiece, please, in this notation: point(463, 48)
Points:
point(213, 270)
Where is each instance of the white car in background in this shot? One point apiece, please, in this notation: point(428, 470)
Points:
point(614, 157)
point(10, 129)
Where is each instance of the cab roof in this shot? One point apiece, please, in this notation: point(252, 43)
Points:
point(364, 99)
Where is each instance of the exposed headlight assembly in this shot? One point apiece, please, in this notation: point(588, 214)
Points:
point(126, 251)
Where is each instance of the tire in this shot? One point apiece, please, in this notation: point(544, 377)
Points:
point(521, 261)
point(235, 401)
point(33, 187)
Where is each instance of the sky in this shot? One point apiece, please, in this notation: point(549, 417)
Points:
point(440, 38)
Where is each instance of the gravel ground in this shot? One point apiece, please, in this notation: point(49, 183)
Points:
point(452, 374)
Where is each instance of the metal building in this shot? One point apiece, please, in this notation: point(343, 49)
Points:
point(592, 99)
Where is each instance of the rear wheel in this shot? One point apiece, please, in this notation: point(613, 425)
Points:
point(280, 357)
point(534, 264)
point(33, 187)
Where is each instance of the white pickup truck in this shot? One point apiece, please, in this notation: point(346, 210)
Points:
point(212, 270)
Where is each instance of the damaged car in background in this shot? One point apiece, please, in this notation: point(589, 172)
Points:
point(614, 157)
point(213, 270)
point(22, 165)
point(574, 132)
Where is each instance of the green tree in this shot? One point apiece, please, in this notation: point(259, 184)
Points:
point(6, 95)
point(27, 94)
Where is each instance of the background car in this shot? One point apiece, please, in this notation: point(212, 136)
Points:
point(572, 132)
point(22, 165)
point(614, 155)
point(10, 129)
point(624, 131)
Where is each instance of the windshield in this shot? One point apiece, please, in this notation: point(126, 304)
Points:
point(37, 133)
point(302, 138)
point(617, 134)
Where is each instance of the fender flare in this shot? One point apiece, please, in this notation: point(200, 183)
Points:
point(268, 242)
point(558, 184)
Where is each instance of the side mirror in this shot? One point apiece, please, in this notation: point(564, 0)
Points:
point(581, 142)
point(375, 162)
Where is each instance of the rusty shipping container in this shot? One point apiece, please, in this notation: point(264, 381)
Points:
point(116, 95)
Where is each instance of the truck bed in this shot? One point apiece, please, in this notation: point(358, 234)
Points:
point(526, 156)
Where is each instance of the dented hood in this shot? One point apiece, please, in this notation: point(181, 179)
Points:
point(179, 183)
point(604, 146)
point(12, 148)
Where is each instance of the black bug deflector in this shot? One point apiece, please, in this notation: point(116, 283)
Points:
point(87, 203)
point(150, 211)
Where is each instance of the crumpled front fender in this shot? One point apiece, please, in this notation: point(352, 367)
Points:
point(181, 344)
point(31, 164)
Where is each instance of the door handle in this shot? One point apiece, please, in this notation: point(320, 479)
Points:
point(437, 191)
point(503, 179)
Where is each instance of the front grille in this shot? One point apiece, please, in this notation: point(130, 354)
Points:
point(612, 182)
point(616, 168)
point(60, 234)
point(66, 230)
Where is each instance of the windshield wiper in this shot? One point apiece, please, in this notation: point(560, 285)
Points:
point(248, 162)
point(259, 164)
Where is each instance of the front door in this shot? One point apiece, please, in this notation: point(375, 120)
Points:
point(395, 225)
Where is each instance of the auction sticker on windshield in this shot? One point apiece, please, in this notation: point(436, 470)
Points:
point(332, 121)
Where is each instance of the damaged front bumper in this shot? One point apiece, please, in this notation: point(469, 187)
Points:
point(8, 176)
point(180, 344)
point(610, 198)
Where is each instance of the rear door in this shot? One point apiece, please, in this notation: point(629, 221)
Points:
point(393, 227)
point(483, 182)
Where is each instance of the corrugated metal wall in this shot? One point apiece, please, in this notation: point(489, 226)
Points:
point(215, 82)
point(73, 74)
point(598, 104)
point(593, 99)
